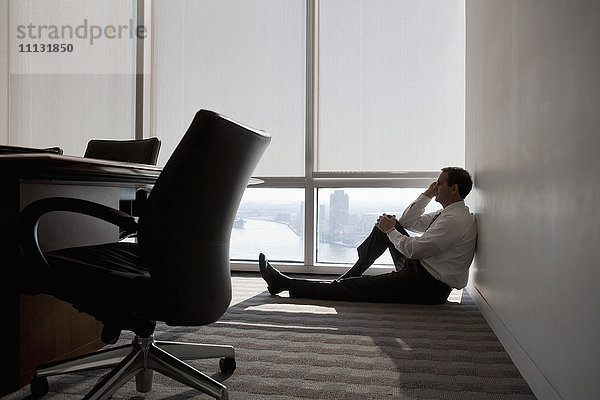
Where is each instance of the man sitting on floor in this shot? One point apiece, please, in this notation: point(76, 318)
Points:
point(427, 266)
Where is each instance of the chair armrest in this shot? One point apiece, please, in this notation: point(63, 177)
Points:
point(30, 216)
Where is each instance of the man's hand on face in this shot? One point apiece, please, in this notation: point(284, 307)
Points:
point(386, 222)
point(432, 190)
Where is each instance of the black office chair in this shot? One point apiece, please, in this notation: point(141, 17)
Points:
point(141, 151)
point(178, 272)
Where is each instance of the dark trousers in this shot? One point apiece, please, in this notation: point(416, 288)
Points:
point(410, 284)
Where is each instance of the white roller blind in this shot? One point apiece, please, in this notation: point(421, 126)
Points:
point(392, 84)
point(244, 59)
point(64, 96)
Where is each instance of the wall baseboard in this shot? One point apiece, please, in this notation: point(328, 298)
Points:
point(538, 382)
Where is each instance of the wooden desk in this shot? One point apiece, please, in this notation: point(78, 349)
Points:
point(40, 329)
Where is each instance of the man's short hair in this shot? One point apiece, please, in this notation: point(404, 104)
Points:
point(459, 176)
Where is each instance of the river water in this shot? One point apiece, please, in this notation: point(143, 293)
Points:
point(278, 242)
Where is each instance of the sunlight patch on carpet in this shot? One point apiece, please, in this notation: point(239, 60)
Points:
point(279, 326)
point(293, 308)
point(455, 296)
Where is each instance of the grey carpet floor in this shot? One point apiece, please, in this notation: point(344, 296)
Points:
point(288, 349)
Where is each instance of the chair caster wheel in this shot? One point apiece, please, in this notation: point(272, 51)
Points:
point(227, 365)
point(39, 387)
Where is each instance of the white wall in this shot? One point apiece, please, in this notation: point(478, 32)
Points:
point(533, 145)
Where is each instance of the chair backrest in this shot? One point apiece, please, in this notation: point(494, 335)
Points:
point(142, 151)
point(184, 231)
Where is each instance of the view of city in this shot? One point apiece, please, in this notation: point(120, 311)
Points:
point(271, 221)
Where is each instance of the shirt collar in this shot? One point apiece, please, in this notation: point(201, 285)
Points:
point(454, 205)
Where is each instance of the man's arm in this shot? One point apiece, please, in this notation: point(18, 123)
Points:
point(413, 218)
point(435, 240)
point(413, 215)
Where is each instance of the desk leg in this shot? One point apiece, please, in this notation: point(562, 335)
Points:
point(9, 253)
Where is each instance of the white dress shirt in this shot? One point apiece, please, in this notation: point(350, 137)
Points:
point(447, 247)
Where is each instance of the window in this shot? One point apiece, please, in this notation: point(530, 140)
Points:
point(391, 76)
point(364, 101)
point(243, 59)
point(346, 216)
point(269, 221)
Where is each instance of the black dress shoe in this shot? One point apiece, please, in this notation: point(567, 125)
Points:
point(276, 281)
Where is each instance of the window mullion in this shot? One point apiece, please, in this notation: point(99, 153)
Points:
point(311, 129)
point(139, 73)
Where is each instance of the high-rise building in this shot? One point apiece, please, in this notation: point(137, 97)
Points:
point(339, 210)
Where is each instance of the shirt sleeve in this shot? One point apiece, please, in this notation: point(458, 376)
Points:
point(413, 218)
point(434, 241)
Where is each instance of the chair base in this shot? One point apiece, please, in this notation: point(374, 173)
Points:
point(140, 359)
